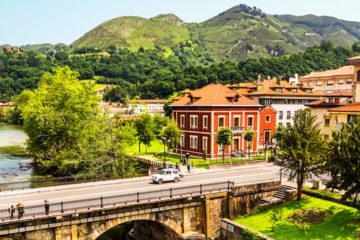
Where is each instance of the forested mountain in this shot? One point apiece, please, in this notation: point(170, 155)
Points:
point(239, 33)
point(153, 74)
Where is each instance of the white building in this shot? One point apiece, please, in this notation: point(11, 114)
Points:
point(286, 98)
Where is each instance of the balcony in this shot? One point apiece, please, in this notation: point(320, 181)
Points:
point(238, 129)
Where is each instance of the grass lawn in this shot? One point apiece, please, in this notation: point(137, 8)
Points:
point(343, 223)
point(158, 148)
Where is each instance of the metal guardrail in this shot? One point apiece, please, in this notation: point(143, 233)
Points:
point(57, 181)
point(70, 207)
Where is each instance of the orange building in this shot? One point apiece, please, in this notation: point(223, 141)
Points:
point(201, 113)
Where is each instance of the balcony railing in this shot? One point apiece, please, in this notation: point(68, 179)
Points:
point(238, 129)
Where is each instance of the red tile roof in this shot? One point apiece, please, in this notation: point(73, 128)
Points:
point(355, 107)
point(214, 95)
point(267, 88)
point(346, 70)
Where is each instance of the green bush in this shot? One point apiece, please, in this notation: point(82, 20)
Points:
point(328, 195)
point(249, 235)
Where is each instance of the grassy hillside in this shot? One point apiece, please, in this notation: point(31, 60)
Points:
point(135, 32)
point(239, 33)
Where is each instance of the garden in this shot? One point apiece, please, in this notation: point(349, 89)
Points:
point(156, 151)
point(310, 218)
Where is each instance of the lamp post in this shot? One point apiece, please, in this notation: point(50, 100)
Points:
point(164, 140)
point(181, 152)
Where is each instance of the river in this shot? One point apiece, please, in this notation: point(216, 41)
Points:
point(12, 148)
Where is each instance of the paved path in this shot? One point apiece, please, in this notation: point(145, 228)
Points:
point(239, 175)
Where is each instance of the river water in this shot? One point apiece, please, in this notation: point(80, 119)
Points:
point(12, 147)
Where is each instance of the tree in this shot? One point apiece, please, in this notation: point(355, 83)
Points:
point(224, 138)
point(116, 94)
point(63, 121)
point(171, 135)
point(145, 130)
point(249, 136)
point(343, 160)
point(301, 148)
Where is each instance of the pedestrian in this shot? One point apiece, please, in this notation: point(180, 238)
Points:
point(11, 211)
point(47, 207)
point(187, 157)
point(188, 167)
point(177, 166)
point(21, 211)
point(193, 166)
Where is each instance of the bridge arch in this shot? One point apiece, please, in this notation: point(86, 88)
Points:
point(108, 225)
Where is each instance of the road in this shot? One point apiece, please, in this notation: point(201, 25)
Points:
point(240, 175)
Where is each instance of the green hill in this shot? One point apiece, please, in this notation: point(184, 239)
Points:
point(134, 32)
point(239, 33)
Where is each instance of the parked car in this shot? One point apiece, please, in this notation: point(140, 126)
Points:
point(167, 175)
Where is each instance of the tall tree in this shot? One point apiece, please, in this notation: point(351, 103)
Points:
point(145, 130)
point(224, 138)
point(343, 160)
point(171, 135)
point(249, 137)
point(301, 148)
point(62, 119)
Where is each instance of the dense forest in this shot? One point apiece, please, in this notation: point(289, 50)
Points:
point(156, 73)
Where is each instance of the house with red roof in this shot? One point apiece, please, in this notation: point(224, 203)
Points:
point(202, 112)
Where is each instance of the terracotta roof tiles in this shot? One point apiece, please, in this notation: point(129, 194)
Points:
point(347, 108)
point(214, 95)
point(346, 70)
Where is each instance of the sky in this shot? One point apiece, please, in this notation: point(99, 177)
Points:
point(63, 21)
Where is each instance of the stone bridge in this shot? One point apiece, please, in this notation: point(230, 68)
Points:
point(182, 215)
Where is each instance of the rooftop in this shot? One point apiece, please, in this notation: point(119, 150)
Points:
point(355, 107)
point(214, 95)
point(343, 71)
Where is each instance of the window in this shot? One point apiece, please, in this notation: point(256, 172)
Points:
point(267, 118)
point(182, 121)
point(250, 122)
point(182, 140)
point(309, 90)
point(327, 122)
point(280, 124)
point(326, 136)
point(278, 89)
point(288, 124)
point(221, 122)
point(309, 84)
point(319, 83)
point(288, 115)
point(193, 122)
point(341, 82)
point(281, 115)
point(205, 122)
point(267, 102)
point(204, 143)
point(193, 142)
point(293, 90)
point(330, 82)
point(237, 122)
point(349, 81)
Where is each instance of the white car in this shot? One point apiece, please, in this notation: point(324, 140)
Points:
point(167, 175)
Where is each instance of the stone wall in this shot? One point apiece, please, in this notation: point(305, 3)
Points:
point(234, 231)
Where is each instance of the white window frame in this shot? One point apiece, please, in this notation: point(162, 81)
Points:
point(281, 115)
point(205, 146)
point(223, 117)
point(319, 83)
point(237, 116)
point(194, 121)
point(182, 140)
point(288, 117)
point(207, 122)
point(194, 140)
point(267, 131)
point(182, 120)
point(266, 118)
point(252, 122)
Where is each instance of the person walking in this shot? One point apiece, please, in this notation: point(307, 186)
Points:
point(11, 212)
point(177, 166)
point(21, 211)
point(47, 207)
point(188, 167)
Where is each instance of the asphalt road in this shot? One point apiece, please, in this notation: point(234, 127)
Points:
point(241, 175)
